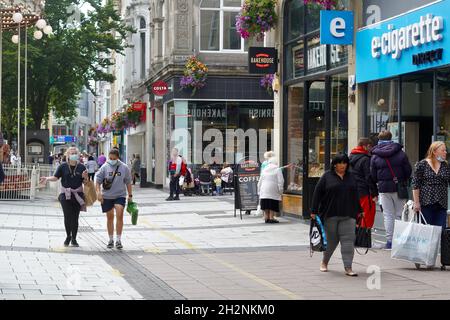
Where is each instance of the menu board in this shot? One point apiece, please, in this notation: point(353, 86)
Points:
point(246, 191)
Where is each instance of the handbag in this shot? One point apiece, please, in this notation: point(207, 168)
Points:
point(108, 184)
point(402, 188)
point(317, 237)
point(363, 237)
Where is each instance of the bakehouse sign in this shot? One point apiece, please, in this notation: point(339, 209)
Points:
point(262, 60)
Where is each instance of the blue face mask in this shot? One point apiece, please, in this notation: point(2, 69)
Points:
point(440, 159)
point(112, 162)
point(73, 157)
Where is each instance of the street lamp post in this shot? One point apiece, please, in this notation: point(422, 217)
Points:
point(17, 17)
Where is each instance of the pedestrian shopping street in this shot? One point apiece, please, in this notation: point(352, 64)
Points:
point(189, 249)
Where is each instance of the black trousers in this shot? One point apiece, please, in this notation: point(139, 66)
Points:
point(71, 209)
point(174, 186)
point(91, 176)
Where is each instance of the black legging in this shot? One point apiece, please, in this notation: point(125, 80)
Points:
point(91, 176)
point(174, 186)
point(71, 209)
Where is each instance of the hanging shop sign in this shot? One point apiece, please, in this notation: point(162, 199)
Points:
point(336, 27)
point(408, 43)
point(160, 88)
point(262, 60)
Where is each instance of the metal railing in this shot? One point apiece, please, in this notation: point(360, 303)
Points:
point(22, 183)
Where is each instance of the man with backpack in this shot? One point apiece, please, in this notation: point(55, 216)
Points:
point(177, 167)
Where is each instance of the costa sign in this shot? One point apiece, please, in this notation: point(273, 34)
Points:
point(262, 60)
point(160, 88)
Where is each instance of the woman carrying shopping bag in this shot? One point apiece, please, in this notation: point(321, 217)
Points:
point(336, 201)
point(430, 185)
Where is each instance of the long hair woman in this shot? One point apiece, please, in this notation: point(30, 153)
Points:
point(336, 201)
point(430, 185)
point(72, 174)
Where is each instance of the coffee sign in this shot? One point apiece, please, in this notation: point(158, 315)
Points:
point(262, 60)
point(160, 88)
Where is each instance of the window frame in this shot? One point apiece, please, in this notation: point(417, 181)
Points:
point(222, 9)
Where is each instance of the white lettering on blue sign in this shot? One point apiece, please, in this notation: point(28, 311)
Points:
point(337, 27)
point(395, 41)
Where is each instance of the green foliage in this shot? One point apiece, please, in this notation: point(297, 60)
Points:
point(61, 64)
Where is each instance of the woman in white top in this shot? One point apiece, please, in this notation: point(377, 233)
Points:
point(270, 189)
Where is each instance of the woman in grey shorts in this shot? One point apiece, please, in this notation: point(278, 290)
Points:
point(336, 201)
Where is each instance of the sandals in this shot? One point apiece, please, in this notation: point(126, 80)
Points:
point(349, 272)
point(323, 267)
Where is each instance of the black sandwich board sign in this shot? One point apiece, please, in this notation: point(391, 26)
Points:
point(246, 186)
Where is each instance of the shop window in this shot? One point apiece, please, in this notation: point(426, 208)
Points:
point(295, 142)
point(218, 26)
point(295, 11)
point(317, 55)
point(338, 56)
point(313, 17)
point(339, 114)
point(443, 108)
point(382, 107)
point(417, 114)
point(316, 130)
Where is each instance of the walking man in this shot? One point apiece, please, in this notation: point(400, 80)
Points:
point(115, 179)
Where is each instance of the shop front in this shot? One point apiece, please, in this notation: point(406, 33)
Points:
point(315, 104)
point(229, 119)
point(407, 87)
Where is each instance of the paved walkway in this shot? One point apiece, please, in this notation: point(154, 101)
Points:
point(189, 249)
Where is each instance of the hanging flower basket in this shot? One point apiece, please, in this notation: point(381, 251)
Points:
point(195, 75)
point(104, 127)
point(325, 4)
point(93, 138)
point(118, 121)
point(256, 18)
point(266, 82)
point(133, 117)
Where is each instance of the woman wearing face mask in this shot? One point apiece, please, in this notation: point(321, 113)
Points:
point(115, 179)
point(72, 174)
point(430, 185)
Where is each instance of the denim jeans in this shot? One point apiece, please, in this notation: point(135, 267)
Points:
point(435, 215)
point(392, 210)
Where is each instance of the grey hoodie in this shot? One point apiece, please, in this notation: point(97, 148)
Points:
point(119, 186)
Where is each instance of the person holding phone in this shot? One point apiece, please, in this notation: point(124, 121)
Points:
point(113, 181)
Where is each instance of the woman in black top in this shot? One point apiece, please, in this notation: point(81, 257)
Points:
point(73, 174)
point(430, 185)
point(336, 201)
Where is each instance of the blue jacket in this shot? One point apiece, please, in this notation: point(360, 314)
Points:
point(379, 169)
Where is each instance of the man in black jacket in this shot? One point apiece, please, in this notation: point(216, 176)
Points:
point(367, 189)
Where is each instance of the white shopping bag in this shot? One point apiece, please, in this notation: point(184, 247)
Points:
point(408, 212)
point(181, 181)
point(259, 212)
point(416, 242)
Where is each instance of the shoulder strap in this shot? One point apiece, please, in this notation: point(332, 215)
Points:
point(390, 168)
point(115, 173)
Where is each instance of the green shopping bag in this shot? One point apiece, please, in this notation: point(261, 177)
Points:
point(133, 210)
